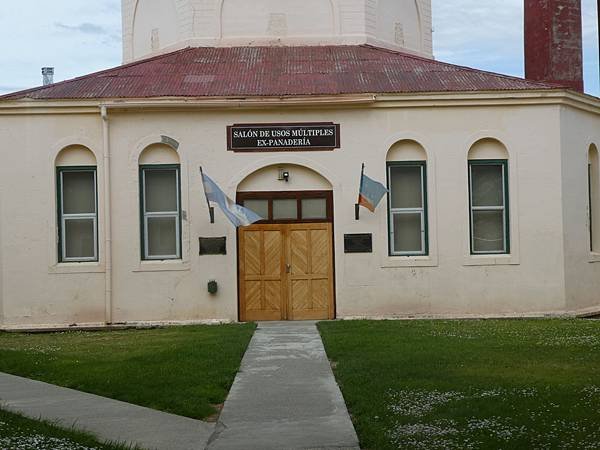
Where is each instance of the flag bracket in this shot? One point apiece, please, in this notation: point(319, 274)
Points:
point(357, 211)
point(211, 209)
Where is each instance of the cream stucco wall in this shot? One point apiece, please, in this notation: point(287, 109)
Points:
point(1, 260)
point(548, 269)
point(582, 267)
point(36, 289)
point(157, 26)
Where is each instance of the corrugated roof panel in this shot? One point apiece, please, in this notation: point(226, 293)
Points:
point(277, 71)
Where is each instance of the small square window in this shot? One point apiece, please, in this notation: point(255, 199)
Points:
point(314, 208)
point(259, 206)
point(285, 209)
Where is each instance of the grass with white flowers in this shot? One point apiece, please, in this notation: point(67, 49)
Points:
point(505, 384)
point(20, 433)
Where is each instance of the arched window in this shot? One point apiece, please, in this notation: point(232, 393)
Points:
point(160, 191)
point(77, 205)
point(488, 198)
point(407, 199)
point(594, 199)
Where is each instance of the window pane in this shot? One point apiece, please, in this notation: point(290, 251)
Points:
point(407, 233)
point(285, 209)
point(406, 187)
point(260, 207)
point(487, 185)
point(314, 208)
point(79, 192)
point(79, 239)
point(161, 190)
point(162, 236)
point(488, 231)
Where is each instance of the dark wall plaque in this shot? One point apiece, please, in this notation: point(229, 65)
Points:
point(283, 137)
point(213, 246)
point(358, 243)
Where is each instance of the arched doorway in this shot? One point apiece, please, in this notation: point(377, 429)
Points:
point(285, 262)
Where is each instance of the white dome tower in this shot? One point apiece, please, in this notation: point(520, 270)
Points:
point(158, 26)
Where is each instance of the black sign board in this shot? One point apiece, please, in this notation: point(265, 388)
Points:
point(283, 137)
point(213, 246)
point(358, 243)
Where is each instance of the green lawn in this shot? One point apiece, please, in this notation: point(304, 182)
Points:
point(522, 384)
point(181, 370)
point(19, 433)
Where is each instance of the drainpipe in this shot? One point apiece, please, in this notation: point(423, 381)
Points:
point(107, 218)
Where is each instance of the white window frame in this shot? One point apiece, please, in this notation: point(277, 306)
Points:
point(392, 212)
point(162, 214)
point(504, 208)
point(87, 216)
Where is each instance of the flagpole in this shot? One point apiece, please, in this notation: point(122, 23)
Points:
point(357, 206)
point(211, 210)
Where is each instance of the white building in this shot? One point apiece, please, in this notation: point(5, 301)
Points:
point(494, 205)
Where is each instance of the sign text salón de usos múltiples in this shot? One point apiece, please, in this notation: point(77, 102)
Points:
point(283, 137)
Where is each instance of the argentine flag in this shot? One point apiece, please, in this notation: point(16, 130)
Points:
point(237, 215)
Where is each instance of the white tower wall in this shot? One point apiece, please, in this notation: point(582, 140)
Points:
point(156, 26)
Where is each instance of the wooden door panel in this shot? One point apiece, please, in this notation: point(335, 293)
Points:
point(320, 291)
point(311, 260)
point(267, 290)
point(261, 273)
point(299, 258)
point(252, 253)
point(320, 252)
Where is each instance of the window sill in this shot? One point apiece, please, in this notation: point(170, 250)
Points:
point(83, 267)
point(491, 260)
point(163, 266)
point(594, 258)
point(391, 262)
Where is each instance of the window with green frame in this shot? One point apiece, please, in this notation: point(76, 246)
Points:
point(488, 205)
point(160, 212)
point(407, 208)
point(77, 202)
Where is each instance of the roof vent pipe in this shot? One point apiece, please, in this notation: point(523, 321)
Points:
point(48, 74)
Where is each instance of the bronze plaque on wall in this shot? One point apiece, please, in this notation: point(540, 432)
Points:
point(283, 137)
point(213, 246)
point(358, 243)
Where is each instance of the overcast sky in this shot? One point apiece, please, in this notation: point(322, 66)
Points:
point(82, 36)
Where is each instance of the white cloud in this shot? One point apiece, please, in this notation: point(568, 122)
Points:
point(489, 35)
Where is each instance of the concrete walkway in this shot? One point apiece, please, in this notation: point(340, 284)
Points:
point(109, 420)
point(285, 396)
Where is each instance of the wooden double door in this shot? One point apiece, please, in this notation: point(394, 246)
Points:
point(286, 272)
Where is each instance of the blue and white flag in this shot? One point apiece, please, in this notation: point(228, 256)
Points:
point(237, 215)
point(371, 192)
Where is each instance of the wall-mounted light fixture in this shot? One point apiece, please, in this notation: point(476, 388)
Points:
point(284, 175)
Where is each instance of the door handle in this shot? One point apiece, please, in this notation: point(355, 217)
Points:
point(288, 268)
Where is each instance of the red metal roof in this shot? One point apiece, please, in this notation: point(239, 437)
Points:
point(277, 71)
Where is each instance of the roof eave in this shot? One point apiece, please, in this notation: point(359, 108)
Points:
point(421, 99)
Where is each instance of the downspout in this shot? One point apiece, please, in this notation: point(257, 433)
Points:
point(107, 218)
